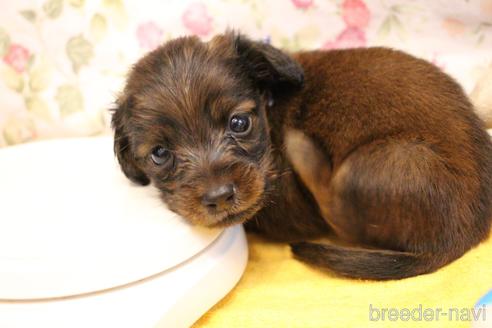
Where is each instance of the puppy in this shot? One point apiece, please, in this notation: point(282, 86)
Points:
point(481, 96)
point(378, 149)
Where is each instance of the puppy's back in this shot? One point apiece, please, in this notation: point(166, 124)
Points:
point(363, 94)
point(370, 111)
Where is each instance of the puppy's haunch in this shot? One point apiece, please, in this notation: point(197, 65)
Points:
point(374, 147)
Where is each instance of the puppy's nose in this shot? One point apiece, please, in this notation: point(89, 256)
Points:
point(219, 197)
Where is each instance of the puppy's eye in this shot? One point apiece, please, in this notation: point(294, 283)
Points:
point(160, 155)
point(240, 124)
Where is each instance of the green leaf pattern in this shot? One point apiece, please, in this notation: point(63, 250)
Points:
point(38, 107)
point(79, 51)
point(17, 130)
point(69, 99)
point(116, 9)
point(40, 77)
point(12, 79)
point(4, 42)
point(76, 3)
point(53, 8)
point(99, 27)
point(29, 14)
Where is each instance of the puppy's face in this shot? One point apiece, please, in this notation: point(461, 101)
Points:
point(192, 120)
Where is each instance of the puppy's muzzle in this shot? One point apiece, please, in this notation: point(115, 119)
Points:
point(219, 198)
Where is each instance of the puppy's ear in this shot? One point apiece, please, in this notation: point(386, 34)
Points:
point(122, 147)
point(267, 65)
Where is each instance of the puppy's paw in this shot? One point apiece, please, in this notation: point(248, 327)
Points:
point(298, 146)
point(307, 159)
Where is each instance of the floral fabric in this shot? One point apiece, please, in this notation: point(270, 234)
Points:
point(62, 62)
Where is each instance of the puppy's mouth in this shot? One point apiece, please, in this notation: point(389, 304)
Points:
point(237, 218)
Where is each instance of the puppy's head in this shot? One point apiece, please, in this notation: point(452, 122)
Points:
point(192, 120)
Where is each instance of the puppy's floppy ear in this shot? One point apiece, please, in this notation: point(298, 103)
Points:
point(267, 65)
point(122, 147)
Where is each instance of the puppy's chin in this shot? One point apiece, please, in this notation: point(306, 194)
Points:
point(235, 218)
point(222, 219)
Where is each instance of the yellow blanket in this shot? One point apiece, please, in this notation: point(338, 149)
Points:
point(279, 291)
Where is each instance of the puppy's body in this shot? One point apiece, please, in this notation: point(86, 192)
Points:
point(377, 147)
point(400, 163)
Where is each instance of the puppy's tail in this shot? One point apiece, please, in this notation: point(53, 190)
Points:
point(374, 264)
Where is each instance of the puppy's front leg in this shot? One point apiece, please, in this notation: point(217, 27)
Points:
point(311, 165)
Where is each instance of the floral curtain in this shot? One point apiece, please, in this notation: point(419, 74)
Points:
point(62, 62)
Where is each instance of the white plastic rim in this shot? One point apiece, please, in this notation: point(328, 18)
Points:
point(174, 298)
point(71, 223)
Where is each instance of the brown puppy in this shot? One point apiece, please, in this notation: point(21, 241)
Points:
point(386, 151)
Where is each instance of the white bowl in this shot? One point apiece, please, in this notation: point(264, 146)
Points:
point(82, 246)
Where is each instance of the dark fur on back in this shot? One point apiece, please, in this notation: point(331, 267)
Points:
point(377, 147)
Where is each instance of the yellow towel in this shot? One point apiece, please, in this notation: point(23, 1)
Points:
point(279, 291)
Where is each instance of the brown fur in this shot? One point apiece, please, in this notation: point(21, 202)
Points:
point(375, 146)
